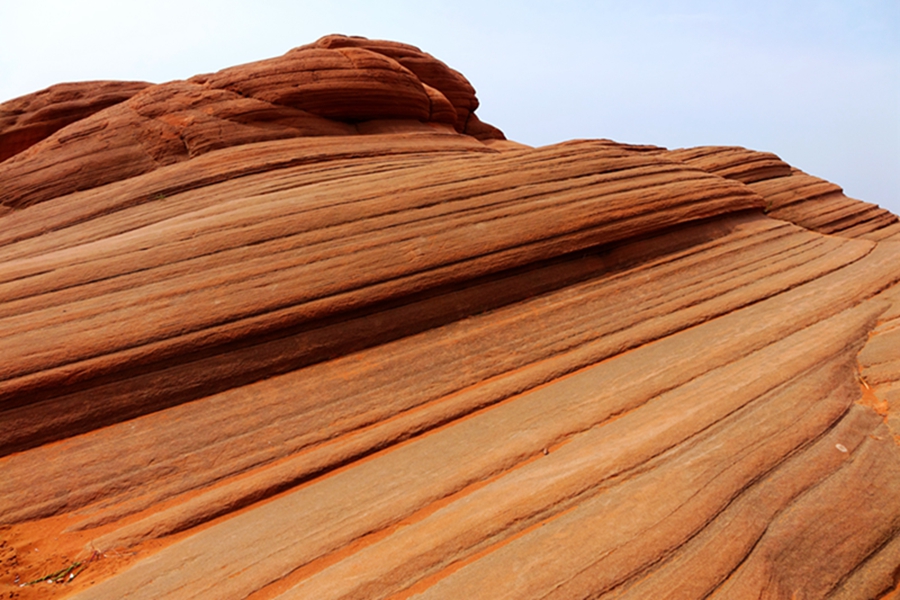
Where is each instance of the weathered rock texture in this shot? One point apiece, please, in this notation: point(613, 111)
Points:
point(307, 328)
point(791, 194)
point(27, 120)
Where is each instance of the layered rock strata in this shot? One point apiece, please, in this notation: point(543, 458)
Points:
point(307, 328)
point(792, 195)
point(29, 119)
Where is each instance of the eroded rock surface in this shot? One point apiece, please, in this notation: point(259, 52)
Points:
point(27, 120)
point(306, 328)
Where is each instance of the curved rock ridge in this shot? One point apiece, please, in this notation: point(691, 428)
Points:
point(337, 86)
point(257, 264)
point(29, 119)
point(433, 73)
point(792, 195)
point(305, 328)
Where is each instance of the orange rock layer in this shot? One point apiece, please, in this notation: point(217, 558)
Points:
point(306, 328)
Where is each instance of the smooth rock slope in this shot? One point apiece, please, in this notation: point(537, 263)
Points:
point(308, 328)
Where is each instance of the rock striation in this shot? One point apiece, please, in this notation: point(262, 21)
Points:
point(338, 86)
point(27, 120)
point(307, 328)
point(792, 195)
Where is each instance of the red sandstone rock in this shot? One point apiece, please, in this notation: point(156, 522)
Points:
point(791, 194)
point(428, 69)
point(334, 87)
point(27, 120)
point(306, 328)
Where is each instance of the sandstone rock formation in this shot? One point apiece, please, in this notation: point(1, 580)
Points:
point(307, 328)
point(27, 120)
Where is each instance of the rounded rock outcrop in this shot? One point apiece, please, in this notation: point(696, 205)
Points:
point(26, 120)
point(335, 86)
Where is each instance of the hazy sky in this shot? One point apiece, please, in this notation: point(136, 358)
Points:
point(815, 81)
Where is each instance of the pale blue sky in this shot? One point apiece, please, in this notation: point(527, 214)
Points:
point(815, 81)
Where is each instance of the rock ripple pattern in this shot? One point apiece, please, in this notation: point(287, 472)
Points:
point(308, 328)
